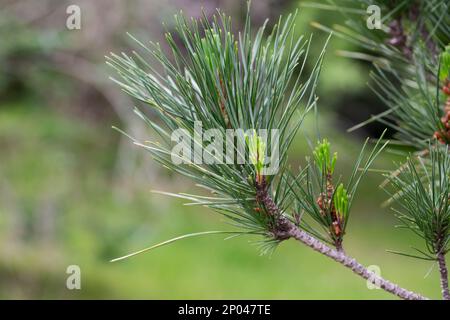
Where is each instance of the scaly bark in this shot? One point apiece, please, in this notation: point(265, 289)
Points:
point(349, 262)
point(285, 229)
point(444, 276)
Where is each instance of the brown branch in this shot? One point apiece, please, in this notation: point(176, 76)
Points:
point(285, 229)
point(444, 276)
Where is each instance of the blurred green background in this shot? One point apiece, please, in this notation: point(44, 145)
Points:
point(75, 192)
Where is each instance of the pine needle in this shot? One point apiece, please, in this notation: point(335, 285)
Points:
point(189, 235)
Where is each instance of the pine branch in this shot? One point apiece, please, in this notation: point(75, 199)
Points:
point(412, 78)
point(444, 276)
point(285, 229)
point(326, 201)
point(223, 81)
point(351, 263)
point(405, 53)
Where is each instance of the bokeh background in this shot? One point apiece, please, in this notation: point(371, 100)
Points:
point(75, 192)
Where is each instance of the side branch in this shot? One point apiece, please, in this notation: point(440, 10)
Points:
point(349, 262)
point(444, 276)
point(285, 229)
